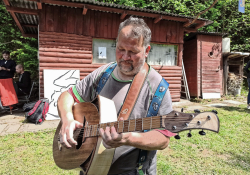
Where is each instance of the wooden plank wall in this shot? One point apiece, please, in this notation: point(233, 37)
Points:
point(210, 80)
point(65, 41)
point(190, 64)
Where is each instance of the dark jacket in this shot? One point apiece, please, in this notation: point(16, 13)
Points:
point(24, 82)
point(9, 64)
point(247, 69)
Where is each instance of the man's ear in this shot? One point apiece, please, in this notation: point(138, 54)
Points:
point(147, 50)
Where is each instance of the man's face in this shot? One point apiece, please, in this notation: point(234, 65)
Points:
point(6, 56)
point(130, 52)
point(18, 70)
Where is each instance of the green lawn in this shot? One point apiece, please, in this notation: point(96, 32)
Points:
point(225, 153)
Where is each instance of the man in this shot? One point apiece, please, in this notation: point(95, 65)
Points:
point(7, 92)
point(247, 69)
point(132, 48)
point(24, 83)
point(7, 66)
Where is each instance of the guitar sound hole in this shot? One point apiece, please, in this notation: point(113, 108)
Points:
point(80, 138)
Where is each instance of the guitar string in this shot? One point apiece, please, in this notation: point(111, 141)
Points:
point(97, 126)
point(91, 134)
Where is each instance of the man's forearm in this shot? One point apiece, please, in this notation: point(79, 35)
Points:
point(64, 106)
point(152, 140)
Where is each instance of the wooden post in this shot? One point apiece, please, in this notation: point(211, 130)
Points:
point(158, 19)
point(84, 12)
point(124, 14)
point(225, 71)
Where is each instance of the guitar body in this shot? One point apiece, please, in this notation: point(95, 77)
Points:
point(90, 155)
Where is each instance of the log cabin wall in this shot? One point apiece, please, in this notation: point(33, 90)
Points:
point(65, 41)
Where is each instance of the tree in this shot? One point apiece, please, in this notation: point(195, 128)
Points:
point(23, 50)
point(225, 15)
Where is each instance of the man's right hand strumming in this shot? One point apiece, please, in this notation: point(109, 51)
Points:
point(64, 105)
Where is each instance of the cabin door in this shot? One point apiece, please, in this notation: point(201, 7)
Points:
point(211, 69)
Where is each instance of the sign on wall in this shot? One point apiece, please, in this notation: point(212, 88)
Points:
point(56, 82)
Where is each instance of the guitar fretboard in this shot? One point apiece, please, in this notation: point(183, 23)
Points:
point(132, 125)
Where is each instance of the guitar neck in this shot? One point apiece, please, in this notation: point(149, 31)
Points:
point(132, 125)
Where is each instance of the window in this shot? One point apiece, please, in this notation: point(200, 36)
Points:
point(104, 50)
point(162, 54)
point(159, 54)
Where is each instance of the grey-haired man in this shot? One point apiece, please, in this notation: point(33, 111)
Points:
point(132, 48)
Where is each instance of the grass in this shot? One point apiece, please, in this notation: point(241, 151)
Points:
point(225, 153)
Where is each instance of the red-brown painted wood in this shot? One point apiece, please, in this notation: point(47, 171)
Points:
point(57, 19)
point(49, 19)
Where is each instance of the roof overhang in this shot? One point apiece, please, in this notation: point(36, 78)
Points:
point(25, 13)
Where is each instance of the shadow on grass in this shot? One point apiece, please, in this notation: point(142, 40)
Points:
point(242, 161)
point(233, 108)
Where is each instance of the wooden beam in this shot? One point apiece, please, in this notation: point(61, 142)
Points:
point(29, 25)
point(17, 22)
point(22, 10)
point(6, 2)
point(190, 30)
point(39, 5)
point(199, 25)
point(187, 23)
point(84, 12)
point(158, 19)
point(124, 14)
point(30, 35)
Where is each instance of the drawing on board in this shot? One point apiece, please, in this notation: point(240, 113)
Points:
point(56, 82)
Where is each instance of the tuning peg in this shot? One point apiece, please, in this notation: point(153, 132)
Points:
point(182, 109)
point(189, 134)
point(177, 137)
point(197, 111)
point(214, 111)
point(202, 133)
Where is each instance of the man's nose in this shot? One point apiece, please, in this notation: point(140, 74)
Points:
point(126, 56)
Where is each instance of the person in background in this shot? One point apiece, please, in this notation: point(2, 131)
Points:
point(7, 66)
point(7, 92)
point(23, 85)
point(247, 69)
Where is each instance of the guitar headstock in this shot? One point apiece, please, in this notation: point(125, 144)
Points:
point(178, 121)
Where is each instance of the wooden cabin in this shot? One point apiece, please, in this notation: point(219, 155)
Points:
point(202, 58)
point(70, 32)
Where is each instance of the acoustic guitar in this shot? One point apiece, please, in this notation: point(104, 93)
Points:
point(92, 157)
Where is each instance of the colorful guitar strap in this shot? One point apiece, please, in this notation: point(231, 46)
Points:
point(105, 77)
point(153, 111)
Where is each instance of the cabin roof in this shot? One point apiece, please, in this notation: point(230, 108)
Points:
point(25, 13)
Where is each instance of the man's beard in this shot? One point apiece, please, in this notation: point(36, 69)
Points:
point(130, 69)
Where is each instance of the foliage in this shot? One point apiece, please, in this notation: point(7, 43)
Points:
point(23, 50)
point(224, 14)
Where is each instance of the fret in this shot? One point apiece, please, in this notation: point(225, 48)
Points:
point(97, 130)
point(123, 126)
point(118, 127)
point(135, 124)
point(151, 123)
point(91, 129)
point(87, 131)
point(142, 124)
point(128, 125)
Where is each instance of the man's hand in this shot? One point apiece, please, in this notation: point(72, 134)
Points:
point(66, 132)
point(112, 139)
